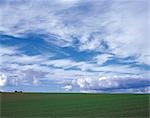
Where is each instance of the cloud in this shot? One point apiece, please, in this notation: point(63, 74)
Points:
point(102, 58)
point(23, 78)
point(90, 22)
point(68, 2)
point(35, 81)
point(19, 69)
point(111, 42)
point(3, 80)
point(67, 88)
point(111, 84)
point(30, 69)
point(101, 83)
point(22, 59)
point(64, 63)
point(7, 51)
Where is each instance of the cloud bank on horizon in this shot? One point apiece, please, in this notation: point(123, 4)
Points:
point(75, 45)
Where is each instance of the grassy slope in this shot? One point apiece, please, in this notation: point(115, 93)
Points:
point(74, 105)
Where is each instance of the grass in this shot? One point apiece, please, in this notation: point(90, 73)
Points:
point(74, 105)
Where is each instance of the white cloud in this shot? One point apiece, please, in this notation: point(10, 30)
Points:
point(99, 83)
point(22, 59)
point(3, 79)
point(125, 32)
point(27, 78)
point(147, 89)
point(20, 69)
point(119, 29)
point(67, 88)
point(7, 51)
point(102, 58)
point(68, 2)
point(90, 43)
point(144, 58)
point(23, 65)
point(35, 81)
point(111, 84)
point(64, 63)
point(91, 22)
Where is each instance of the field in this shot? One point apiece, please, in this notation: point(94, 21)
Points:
point(74, 105)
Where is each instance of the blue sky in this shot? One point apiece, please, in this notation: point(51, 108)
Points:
point(75, 45)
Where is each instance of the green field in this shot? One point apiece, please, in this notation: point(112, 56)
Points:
point(74, 105)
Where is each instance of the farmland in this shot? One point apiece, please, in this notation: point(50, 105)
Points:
point(74, 105)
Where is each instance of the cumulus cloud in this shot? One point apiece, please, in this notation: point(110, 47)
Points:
point(24, 78)
point(67, 88)
point(3, 80)
point(35, 81)
point(112, 84)
point(100, 83)
point(19, 69)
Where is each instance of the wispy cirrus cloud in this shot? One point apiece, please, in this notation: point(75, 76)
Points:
point(118, 30)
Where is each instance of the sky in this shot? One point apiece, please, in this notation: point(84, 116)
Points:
point(99, 46)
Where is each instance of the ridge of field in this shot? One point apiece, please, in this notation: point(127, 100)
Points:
point(74, 105)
